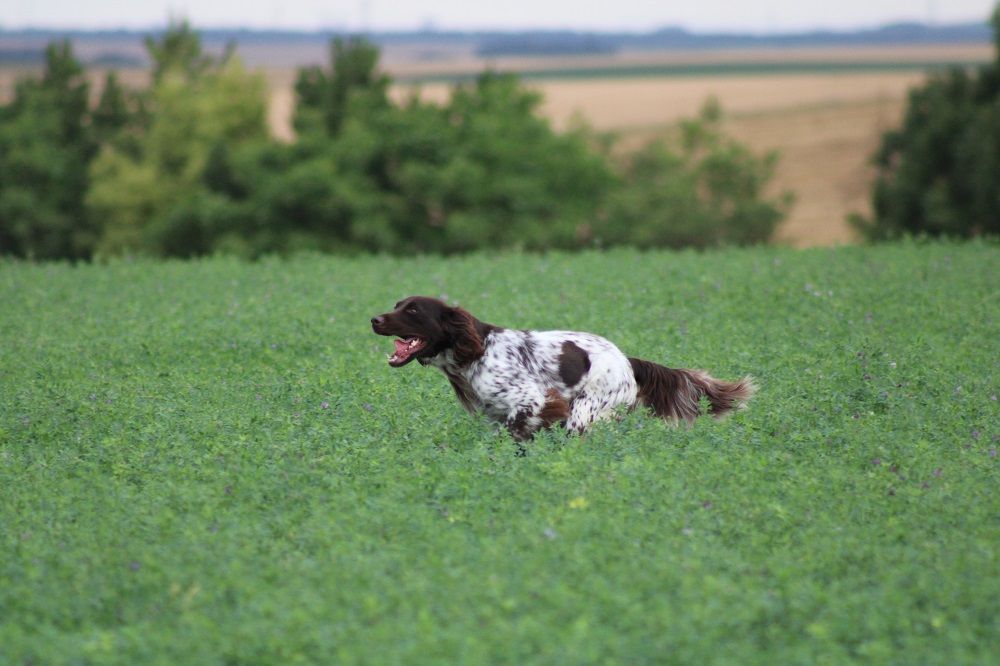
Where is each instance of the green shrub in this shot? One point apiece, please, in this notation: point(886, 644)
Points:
point(139, 190)
point(46, 144)
point(186, 168)
point(939, 174)
point(483, 170)
point(352, 86)
point(705, 189)
point(486, 170)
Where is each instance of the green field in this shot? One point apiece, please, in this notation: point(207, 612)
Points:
point(211, 462)
point(703, 69)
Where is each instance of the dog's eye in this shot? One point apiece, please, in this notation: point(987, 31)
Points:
point(411, 310)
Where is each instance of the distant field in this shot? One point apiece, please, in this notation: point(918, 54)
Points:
point(823, 109)
point(408, 65)
point(825, 152)
point(210, 462)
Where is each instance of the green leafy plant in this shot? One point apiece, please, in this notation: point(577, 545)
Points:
point(147, 195)
point(46, 144)
point(703, 189)
point(211, 462)
point(185, 167)
point(938, 174)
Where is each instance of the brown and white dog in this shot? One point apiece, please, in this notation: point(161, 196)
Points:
point(527, 380)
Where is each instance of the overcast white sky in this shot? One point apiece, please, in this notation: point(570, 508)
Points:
point(639, 15)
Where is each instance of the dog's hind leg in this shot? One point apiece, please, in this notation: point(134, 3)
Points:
point(585, 410)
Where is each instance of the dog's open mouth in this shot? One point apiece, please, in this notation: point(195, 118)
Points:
point(405, 349)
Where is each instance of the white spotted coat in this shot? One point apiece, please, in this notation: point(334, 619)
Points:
point(521, 371)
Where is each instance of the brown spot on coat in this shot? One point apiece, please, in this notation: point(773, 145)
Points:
point(555, 409)
point(573, 363)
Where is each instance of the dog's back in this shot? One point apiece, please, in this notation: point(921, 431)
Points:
point(520, 371)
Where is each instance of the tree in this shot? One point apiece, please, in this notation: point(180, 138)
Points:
point(46, 144)
point(353, 84)
point(186, 167)
point(483, 170)
point(703, 190)
point(939, 173)
point(512, 180)
point(177, 51)
point(120, 115)
point(145, 198)
point(111, 114)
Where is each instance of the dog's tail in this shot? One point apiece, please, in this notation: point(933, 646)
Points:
point(675, 394)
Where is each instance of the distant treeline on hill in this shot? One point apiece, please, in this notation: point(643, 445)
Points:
point(532, 42)
point(547, 44)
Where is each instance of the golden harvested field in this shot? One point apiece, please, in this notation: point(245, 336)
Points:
point(825, 161)
point(825, 125)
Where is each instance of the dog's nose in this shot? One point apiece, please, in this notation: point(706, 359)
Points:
point(377, 321)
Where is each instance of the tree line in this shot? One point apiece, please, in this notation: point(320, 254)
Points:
point(186, 166)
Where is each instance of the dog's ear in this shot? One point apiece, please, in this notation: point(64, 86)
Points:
point(467, 344)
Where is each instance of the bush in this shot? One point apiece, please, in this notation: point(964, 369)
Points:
point(704, 191)
point(141, 189)
point(939, 174)
point(186, 168)
point(484, 170)
point(46, 143)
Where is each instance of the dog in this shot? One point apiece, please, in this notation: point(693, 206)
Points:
point(528, 380)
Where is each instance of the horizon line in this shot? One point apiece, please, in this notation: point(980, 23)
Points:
point(436, 30)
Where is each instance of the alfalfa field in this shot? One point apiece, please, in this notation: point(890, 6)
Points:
point(211, 462)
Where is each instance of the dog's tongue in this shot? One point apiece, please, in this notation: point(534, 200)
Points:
point(404, 350)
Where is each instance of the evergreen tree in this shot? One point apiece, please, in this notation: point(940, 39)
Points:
point(111, 114)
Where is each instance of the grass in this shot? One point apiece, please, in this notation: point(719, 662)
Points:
point(211, 462)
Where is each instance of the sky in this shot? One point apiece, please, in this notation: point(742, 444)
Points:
point(760, 16)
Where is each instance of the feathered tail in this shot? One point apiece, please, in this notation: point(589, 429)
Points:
point(674, 393)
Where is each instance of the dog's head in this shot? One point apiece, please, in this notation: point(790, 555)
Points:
point(425, 327)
